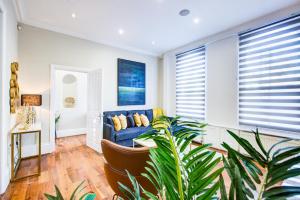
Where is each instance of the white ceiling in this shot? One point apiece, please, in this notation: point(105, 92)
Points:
point(143, 21)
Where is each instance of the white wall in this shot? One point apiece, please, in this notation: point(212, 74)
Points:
point(39, 48)
point(72, 120)
point(9, 45)
point(221, 91)
point(222, 72)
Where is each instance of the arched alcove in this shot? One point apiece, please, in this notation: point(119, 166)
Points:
point(69, 91)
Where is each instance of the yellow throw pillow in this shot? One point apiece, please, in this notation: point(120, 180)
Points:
point(137, 119)
point(117, 123)
point(123, 121)
point(157, 112)
point(145, 120)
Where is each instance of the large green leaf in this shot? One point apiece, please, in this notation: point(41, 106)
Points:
point(249, 149)
point(284, 166)
point(281, 192)
point(283, 175)
point(223, 188)
point(265, 169)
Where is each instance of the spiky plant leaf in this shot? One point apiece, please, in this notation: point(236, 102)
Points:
point(78, 189)
point(267, 168)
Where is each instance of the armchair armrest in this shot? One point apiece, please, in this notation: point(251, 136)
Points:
point(109, 132)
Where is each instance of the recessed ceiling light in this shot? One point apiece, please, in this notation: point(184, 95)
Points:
point(121, 31)
point(153, 42)
point(196, 20)
point(73, 15)
point(184, 12)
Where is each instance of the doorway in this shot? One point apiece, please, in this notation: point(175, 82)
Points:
point(70, 103)
point(76, 104)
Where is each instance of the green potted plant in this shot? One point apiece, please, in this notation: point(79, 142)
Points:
point(176, 172)
point(57, 118)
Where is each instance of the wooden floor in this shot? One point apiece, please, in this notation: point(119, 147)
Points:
point(71, 163)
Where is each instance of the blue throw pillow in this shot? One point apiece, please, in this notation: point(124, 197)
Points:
point(149, 114)
point(130, 121)
point(109, 120)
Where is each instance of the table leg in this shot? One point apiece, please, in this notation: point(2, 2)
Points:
point(20, 146)
point(40, 153)
point(12, 164)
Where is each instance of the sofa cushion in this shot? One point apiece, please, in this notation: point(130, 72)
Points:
point(123, 121)
point(131, 133)
point(109, 120)
point(117, 123)
point(149, 114)
point(137, 120)
point(145, 120)
point(130, 121)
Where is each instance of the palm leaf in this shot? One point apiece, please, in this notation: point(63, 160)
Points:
point(243, 170)
point(281, 192)
point(222, 188)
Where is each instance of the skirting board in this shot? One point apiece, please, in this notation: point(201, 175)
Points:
point(71, 132)
point(30, 150)
point(5, 179)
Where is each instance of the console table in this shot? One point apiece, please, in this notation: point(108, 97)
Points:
point(16, 138)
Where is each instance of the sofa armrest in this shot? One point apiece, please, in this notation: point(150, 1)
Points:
point(109, 132)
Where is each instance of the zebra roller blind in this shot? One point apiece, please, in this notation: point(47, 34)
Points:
point(190, 84)
point(269, 76)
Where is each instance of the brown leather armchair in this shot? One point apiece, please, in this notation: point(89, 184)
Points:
point(118, 159)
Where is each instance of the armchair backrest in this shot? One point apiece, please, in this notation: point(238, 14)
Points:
point(124, 158)
point(118, 159)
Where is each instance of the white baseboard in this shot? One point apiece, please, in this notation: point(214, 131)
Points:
point(5, 179)
point(30, 150)
point(70, 132)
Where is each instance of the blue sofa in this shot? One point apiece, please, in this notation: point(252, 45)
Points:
point(124, 137)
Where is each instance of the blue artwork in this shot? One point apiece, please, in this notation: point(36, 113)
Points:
point(131, 83)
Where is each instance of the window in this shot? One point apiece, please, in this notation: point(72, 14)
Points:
point(190, 84)
point(269, 76)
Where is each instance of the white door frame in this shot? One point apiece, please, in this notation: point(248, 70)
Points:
point(55, 67)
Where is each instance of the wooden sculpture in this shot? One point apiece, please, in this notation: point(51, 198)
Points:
point(14, 91)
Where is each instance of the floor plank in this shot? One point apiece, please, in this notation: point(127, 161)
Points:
point(71, 163)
